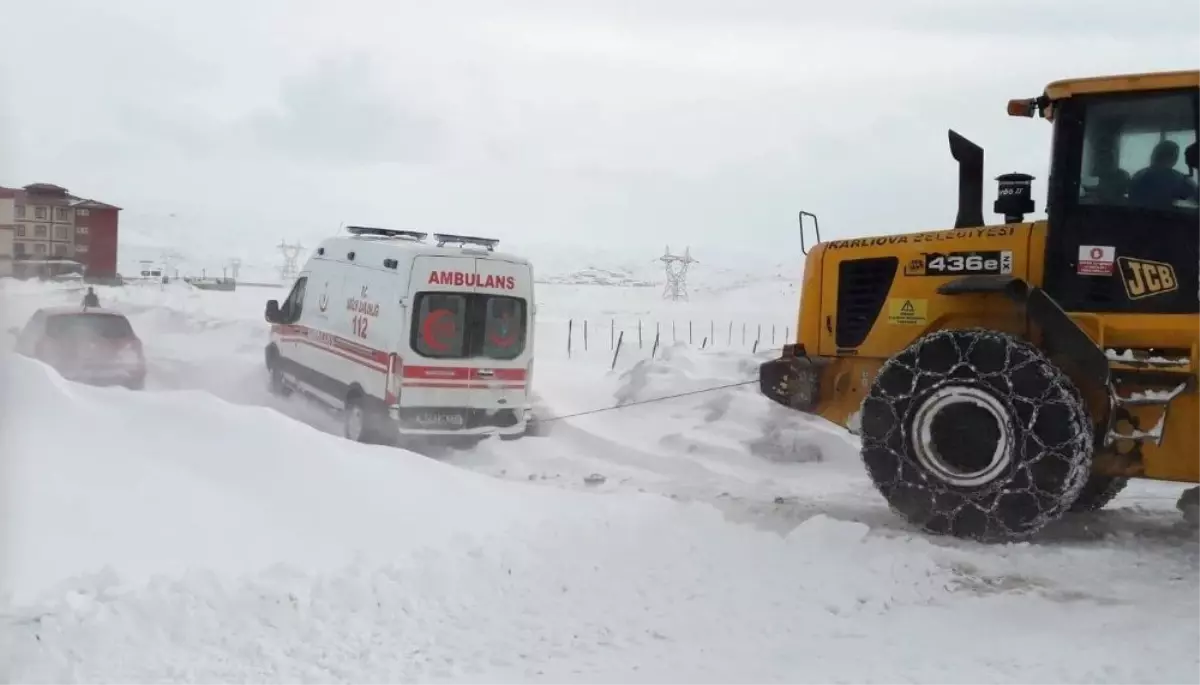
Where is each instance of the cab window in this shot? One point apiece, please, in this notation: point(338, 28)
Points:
point(467, 325)
point(1134, 152)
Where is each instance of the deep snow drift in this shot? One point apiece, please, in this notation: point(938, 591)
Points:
point(186, 534)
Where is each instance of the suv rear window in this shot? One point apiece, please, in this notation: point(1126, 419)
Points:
point(75, 326)
point(462, 325)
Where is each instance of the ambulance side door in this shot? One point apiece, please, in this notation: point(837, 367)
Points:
point(369, 329)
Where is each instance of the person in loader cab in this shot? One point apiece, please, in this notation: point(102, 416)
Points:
point(91, 299)
point(1160, 186)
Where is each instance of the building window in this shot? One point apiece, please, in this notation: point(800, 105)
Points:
point(21, 229)
point(40, 248)
point(39, 212)
point(81, 248)
point(60, 214)
point(60, 250)
point(20, 211)
point(81, 230)
point(39, 231)
point(20, 249)
point(60, 232)
point(81, 212)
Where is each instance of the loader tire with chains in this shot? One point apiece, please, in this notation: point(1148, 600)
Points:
point(1003, 439)
point(1097, 492)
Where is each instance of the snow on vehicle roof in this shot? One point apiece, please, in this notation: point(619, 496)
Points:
point(374, 250)
point(77, 309)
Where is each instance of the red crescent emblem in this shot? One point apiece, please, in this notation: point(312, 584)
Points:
point(500, 339)
point(437, 329)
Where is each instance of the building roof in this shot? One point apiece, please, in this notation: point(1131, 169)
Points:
point(91, 204)
point(51, 194)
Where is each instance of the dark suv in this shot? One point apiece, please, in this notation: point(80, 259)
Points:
point(85, 344)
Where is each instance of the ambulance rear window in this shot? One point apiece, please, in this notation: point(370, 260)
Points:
point(503, 327)
point(440, 325)
point(463, 325)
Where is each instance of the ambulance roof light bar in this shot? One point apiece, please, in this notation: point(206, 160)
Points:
point(464, 240)
point(373, 231)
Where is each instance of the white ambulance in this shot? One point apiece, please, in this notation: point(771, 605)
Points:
point(408, 337)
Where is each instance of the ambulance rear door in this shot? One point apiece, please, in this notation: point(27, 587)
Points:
point(501, 336)
point(435, 383)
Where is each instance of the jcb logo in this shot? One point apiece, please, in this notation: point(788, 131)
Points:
point(1144, 278)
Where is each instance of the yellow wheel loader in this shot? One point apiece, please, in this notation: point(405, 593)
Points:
point(1003, 375)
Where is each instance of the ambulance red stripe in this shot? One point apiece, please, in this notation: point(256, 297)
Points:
point(461, 386)
point(462, 373)
point(377, 360)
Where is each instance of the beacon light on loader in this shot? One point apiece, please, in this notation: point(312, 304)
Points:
point(1002, 376)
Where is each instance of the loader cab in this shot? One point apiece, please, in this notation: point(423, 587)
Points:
point(1122, 199)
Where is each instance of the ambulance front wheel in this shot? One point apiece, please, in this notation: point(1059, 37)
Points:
point(277, 385)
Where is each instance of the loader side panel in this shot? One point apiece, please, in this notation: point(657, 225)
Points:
point(879, 294)
point(808, 318)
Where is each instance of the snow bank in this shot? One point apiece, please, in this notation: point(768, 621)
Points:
point(175, 536)
point(220, 543)
point(713, 398)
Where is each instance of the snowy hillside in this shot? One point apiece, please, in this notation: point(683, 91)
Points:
point(206, 531)
point(559, 264)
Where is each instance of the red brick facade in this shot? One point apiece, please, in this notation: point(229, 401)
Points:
point(52, 224)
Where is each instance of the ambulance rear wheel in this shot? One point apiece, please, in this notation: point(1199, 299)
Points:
point(976, 434)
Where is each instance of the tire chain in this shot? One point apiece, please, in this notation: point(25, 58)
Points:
point(1050, 463)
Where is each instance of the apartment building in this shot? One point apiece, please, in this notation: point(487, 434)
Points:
point(49, 223)
point(7, 214)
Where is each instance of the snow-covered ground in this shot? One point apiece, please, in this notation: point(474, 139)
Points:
point(207, 531)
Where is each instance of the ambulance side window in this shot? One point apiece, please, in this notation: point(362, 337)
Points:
point(440, 325)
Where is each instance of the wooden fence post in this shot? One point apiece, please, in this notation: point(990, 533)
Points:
point(617, 351)
point(585, 336)
point(570, 329)
point(655, 350)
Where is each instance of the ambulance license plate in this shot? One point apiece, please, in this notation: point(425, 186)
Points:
point(439, 419)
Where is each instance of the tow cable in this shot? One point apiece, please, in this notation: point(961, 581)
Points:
point(647, 401)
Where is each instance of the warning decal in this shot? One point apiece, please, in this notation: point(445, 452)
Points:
point(1096, 260)
point(907, 312)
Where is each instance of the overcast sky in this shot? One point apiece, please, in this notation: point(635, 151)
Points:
point(626, 122)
